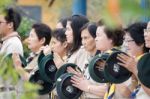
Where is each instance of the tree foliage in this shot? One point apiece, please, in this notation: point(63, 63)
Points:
point(10, 77)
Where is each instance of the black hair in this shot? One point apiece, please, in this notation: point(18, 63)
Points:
point(115, 34)
point(100, 23)
point(59, 34)
point(136, 31)
point(91, 27)
point(42, 31)
point(63, 21)
point(11, 15)
point(77, 21)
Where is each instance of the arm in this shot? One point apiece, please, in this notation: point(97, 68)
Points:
point(146, 89)
point(131, 64)
point(83, 84)
point(98, 90)
point(17, 63)
point(123, 90)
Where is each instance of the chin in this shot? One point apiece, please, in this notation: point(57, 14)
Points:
point(147, 45)
point(68, 41)
point(29, 47)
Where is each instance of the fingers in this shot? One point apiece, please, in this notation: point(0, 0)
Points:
point(76, 81)
point(76, 85)
point(46, 49)
point(122, 64)
point(124, 58)
point(71, 70)
point(126, 61)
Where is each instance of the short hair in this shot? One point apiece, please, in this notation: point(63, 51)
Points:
point(100, 23)
point(115, 34)
point(77, 21)
point(136, 31)
point(91, 27)
point(42, 31)
point(11, 15)
point(59, 34)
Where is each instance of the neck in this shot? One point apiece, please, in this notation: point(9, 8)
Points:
point(93, 52)
point(139, 53)
point(108, 48)
point(8, 33)
point(62, 55)
point(37, 50)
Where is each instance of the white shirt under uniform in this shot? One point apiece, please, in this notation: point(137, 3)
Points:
point(9, 44)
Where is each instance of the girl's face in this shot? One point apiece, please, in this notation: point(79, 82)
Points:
point(147, 35)
point(33, 42)
point(69, 33)
point(132, 47)
point(58, 47)
point(88, 41)
point(103, 43)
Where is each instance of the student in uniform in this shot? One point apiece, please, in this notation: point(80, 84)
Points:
point(10, 42)
point(59, 46)
point(73, 35)
point(40, 35)
point(131, 64)
point(91, 89)
point(10, 20)
point(135, 43)
point(106, 39)
point(73, 38)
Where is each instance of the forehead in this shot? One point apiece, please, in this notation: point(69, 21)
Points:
point(148, 25)
point(68, 22)
point(100, 29)
point(2, 17)
point(32, 31)
point(127, 35)
point(85, 32)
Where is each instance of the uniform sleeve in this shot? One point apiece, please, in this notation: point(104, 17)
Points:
point(14, 47)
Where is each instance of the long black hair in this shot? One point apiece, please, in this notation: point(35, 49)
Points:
point(77, 21)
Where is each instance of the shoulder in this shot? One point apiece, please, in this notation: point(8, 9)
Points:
point(13, 40)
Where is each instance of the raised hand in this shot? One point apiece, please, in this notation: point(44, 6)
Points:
point(128, 62)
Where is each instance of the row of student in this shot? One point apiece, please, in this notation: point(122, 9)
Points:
point(106, 39)
point(78, 32)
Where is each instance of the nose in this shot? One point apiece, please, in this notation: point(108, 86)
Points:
point(66, 32)
point(145, 34)
point(27, 40)
point(83, 42)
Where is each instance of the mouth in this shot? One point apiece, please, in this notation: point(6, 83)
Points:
point(67, 37)
point(146, 40)
point(29, 44)
point(83, 46)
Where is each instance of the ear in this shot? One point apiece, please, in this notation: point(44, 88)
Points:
point(142, 46)
point(111, 41)
point(42, 41)
point(65, 44)
point(10, 25)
